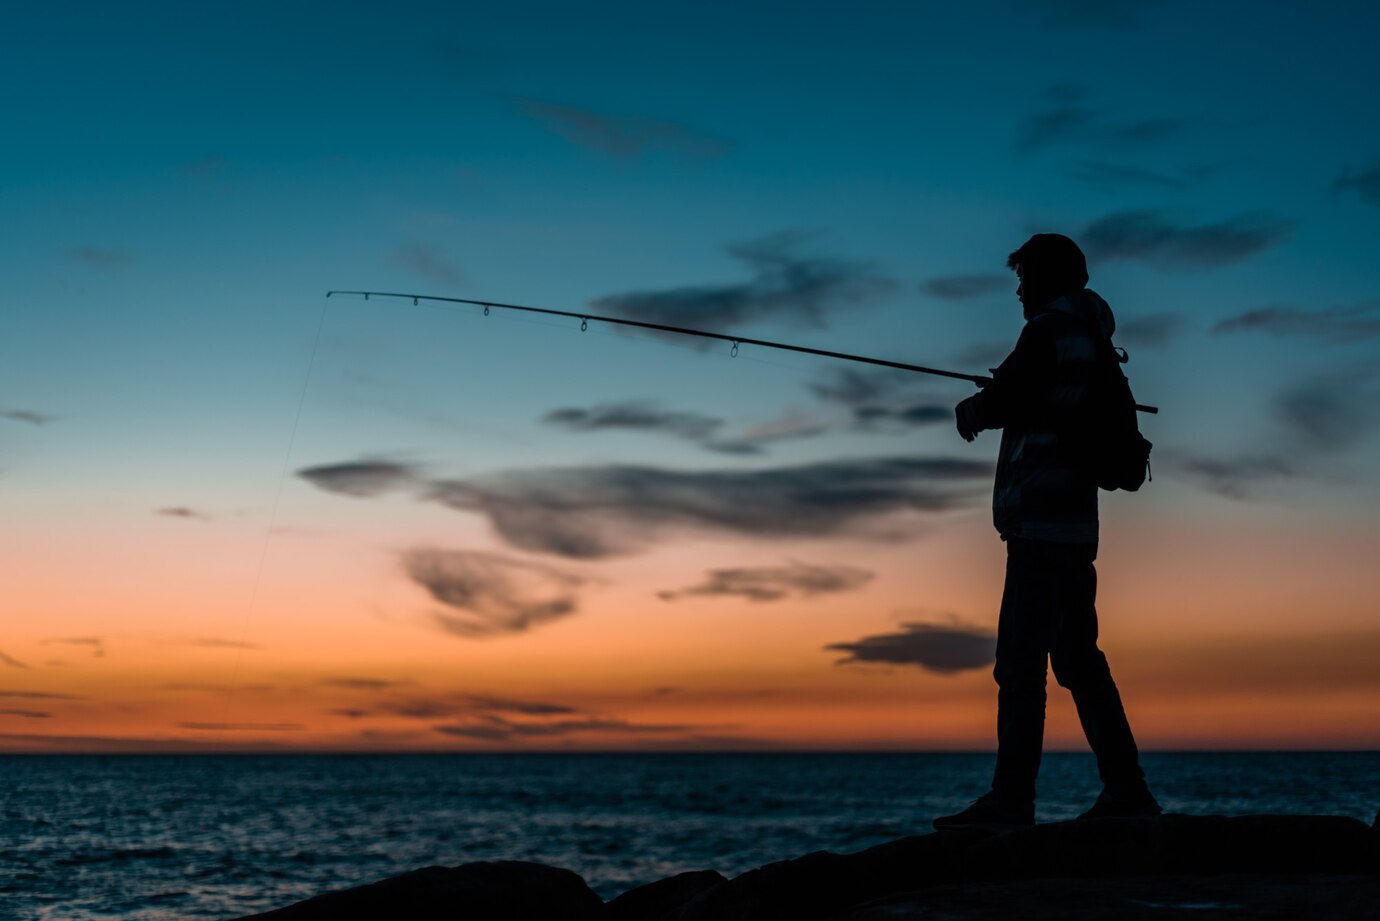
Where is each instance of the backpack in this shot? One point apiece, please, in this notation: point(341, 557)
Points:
point(1103, 439)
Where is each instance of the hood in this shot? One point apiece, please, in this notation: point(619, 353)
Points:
point(1087, 306)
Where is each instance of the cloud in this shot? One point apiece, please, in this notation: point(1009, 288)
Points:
point(11, 661)
point(503, 705)
point(213, 642)
point(1088, 14)
point(427, 262)
point(1096, 172)
point(25, 415)
point(37, 695)
point(497, 729)
point(27, 714)
point(1365, 183)
point(802, 290)
point(1068, 117)
point(349, 713)
point(1335, 324)
point(620, 136)
point(242, 727)
point(942, 648)
point(636, 415)
point(772, 583)
point(881, 399)
point(108, 260)
point(965, 287)
point(95, 643)
point(1150, 330)
point(1237, 478)
point(182, 511)
point(1321, 417)
point(427, 708)
point(790, 426)
point(487, 594)
point(596, 512)
point(1150, 237)
point(1330, 413)
point(353, 683)
point(914, 414)
point(360, 479)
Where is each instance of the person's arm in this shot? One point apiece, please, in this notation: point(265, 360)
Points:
point(1016, 386)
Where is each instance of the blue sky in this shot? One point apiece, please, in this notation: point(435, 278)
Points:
point(182, 184)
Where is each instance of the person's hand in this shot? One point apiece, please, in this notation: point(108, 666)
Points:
point(965, 414)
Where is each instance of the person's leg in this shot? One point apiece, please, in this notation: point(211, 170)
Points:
point(1081, 666)
point(1024, 635)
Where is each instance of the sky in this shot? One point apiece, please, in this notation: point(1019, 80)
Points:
point(240, 516)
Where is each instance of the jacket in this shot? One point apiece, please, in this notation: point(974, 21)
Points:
point(1038, 494)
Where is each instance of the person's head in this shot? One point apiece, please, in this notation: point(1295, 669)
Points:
point(1048, 265)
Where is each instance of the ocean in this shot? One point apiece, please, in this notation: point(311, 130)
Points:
point(157, 838)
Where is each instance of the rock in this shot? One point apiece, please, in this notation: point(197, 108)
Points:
point(504, 890)
point(1260, 866)
point(663, 899)
point(824, 886)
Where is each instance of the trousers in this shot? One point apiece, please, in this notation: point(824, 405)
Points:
point(1049, 613)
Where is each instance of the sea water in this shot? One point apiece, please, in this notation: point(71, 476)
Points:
point(188, 837)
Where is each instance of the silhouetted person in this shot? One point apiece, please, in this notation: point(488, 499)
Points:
point(1046, 512)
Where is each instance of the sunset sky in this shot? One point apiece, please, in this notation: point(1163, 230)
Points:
point(240, 516)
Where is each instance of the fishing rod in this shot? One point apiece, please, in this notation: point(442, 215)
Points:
point(736, 341)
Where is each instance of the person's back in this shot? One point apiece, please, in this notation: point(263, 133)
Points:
point(1045, 508)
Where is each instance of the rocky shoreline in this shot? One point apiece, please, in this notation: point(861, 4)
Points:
point(1257, 866)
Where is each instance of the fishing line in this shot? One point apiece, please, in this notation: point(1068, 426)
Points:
point(273, 514)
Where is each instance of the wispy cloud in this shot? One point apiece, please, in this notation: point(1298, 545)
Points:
point(1320, 417)
point(11, 661)
point(352, 713)
point(1111, 175)
point(241, 727)
point(942, 648)
point(772, 583)
point(881, 400)
point(637, 415)
point(27, 714)
point(1149, 330)
point(487, 594)
point(1334, 324)
point(1238, 477)
point(965, 287)
point(95, 643)
point(26, 415)
point(909, 416)
point(182, 511)
point(107, 260)
point(497, 729)
point(356, 683)
point(212, 642)
point(783, 285)
point(595, 512)
point(622, 137)
point(431, 707)
point(37, 695)
point(1365, 183)
point(361, 479)
point(1332, 412)
point(428, 262)
point(1153, 238)
point(603, 511)
point(1068, 116)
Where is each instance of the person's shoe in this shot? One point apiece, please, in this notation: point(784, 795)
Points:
point(990, 812)
point(1135, 804)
